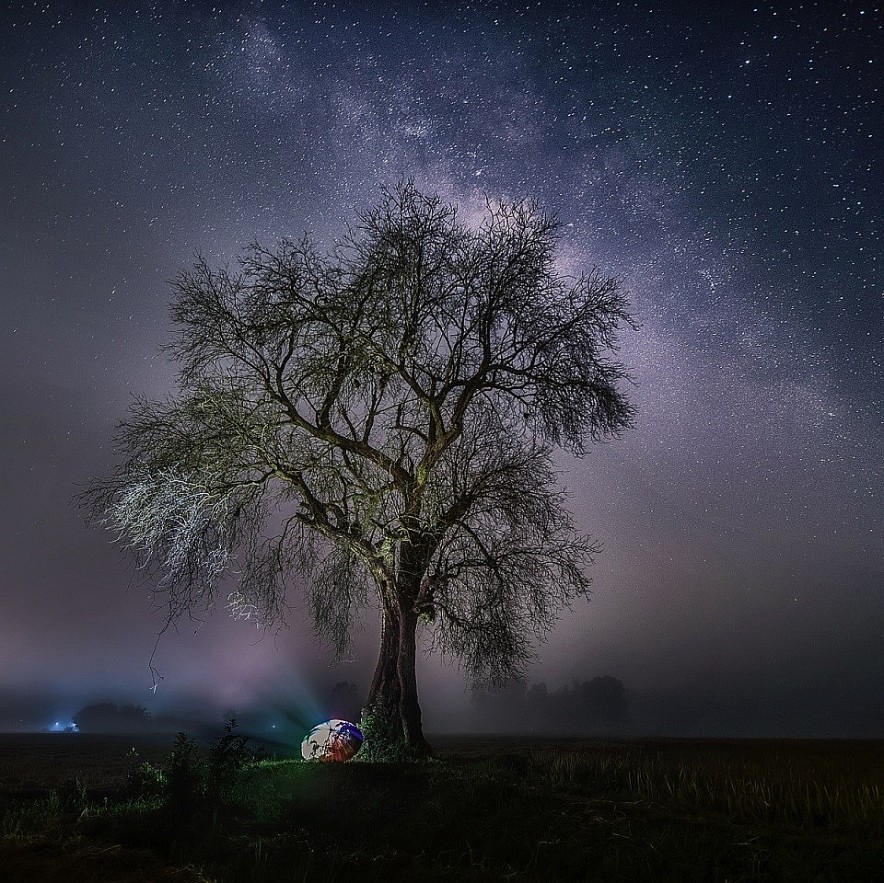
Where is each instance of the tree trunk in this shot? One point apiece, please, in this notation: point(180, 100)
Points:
point(384, 692)
point(409, 707)
point(391, 717)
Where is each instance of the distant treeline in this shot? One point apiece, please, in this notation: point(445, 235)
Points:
point(343, 700)
point(109, 717)
point(596, 705)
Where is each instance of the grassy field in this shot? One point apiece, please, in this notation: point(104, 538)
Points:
point(76, 807)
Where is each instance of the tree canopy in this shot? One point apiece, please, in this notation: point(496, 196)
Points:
point(380, 422)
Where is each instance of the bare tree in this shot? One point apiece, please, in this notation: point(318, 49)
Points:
point(381, 421)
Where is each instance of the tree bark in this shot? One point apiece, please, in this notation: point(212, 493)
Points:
point(384, 692)
point(392, 713)
point(409, 707)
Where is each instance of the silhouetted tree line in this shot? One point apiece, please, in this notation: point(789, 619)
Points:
point(108, 717)
point(599, 704)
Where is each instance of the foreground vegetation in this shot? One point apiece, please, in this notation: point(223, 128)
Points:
point(679, 811)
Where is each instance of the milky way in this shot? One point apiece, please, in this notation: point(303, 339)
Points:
point(725, 164)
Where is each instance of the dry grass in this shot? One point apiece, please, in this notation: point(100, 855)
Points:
point(817, 784)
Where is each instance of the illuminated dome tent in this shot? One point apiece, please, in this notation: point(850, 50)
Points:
point(332, 741)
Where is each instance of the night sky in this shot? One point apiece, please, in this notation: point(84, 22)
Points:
point(725, 162)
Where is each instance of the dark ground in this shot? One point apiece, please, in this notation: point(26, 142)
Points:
point(489, 808)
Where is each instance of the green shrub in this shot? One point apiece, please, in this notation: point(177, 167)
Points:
point(146, 781)
point(227, 756)
point(384, 743)
point(184, 776)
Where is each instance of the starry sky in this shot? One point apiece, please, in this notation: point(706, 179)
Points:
point(723, 159)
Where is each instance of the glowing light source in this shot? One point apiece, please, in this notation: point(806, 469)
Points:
point(332, 741)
